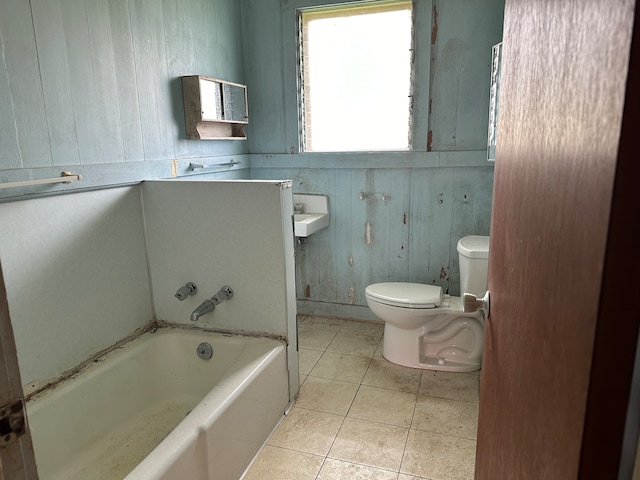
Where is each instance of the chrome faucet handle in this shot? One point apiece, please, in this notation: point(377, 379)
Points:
point(225, 293)
point(190, 288)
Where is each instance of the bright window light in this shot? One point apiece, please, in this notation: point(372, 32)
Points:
point(356, 78)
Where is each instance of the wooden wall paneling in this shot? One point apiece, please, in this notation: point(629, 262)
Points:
point(181, 25)
point(440, 205)
point(21, 61)
point(399, 205)
point(446, 54)
point(471, 214)
point(9, 148)
point(107, 110)
point(229, 34)
point(126, 77)
point(56, 84)
point(319, 256)
point(341, 214)
point(477, 29)
point(292, 174)
point(150, 63)
point(360, 182)
point(209, 63)
point(419, 225)
point(326, 262)
point(85, 101)
point(460, 71)
point(421, 73)
point(224, 58)
point(165, 117)
point(309, 277)
point(379, 218)
point(288, 25)
point(262, 29)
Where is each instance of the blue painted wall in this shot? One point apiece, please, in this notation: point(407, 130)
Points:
point(438, 192)
point(93, 87)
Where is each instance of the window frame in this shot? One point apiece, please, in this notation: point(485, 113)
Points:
point(337, 10)
point(420, 75)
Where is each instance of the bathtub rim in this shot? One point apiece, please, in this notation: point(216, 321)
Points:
point(200, 417)
point(32, 393)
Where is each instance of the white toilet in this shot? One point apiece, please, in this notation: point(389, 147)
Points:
point(426, 329)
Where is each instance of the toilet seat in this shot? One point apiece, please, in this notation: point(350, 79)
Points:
point(405, 295)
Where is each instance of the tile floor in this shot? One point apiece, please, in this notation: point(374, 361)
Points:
point(359, 416)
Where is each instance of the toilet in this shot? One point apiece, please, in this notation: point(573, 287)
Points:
point(424, 328)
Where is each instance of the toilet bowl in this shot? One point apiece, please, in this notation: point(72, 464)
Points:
point(426, 329)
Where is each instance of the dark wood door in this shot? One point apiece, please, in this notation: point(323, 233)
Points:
point(553, 345)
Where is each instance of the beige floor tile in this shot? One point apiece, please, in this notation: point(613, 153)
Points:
point(307, 431)
point(314, 339)
point(368, 329)
point(359, 345)
point(438, 457)
point(369, 443)
point(307, 359)
point(383, 405)
point(378, 353)
point(404, 476)
point(382, 373)
point(283, 464)
point(320, 323)
point(457, 386)
point(446, 416)
point(338, 470)
point(339, 366)
point(325, 395)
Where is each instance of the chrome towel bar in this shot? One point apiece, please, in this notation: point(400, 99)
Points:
point(193, 166)
point(65, 177)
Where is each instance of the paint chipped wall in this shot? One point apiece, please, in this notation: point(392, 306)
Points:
point(94, 88)
point(395, 216)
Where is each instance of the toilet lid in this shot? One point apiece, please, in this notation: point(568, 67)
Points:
point(408, 295)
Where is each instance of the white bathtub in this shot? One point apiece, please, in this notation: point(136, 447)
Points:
point(153, 410)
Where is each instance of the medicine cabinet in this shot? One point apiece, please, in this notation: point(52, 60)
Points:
point(214, 109)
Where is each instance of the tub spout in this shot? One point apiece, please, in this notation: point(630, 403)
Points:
point(205, 307)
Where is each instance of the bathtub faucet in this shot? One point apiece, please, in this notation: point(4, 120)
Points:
point(225, 293)
point(208, 306)
point(190, 288)
point(204, 308)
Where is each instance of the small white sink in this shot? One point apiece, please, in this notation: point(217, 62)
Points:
point(304, 224)
point(314, 216)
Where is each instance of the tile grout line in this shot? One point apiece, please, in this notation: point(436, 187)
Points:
point(371, 358)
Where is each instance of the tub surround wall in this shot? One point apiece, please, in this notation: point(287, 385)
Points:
point(82, 273)
point(236, 233)
point(225, 235)
point(76, 276)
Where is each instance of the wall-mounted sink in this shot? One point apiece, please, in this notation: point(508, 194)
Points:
point(314, 215)
point(307, 223)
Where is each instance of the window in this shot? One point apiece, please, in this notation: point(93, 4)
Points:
point(356, 77)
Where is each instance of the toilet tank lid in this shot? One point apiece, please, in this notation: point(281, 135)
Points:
point(474, 246)
point(408, 295)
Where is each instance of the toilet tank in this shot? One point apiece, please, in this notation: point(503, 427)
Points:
point(473, 254)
